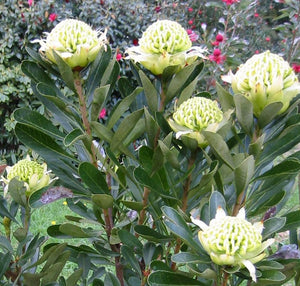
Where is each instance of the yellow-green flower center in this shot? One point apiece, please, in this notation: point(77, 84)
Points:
point(72, 34)
point(24, 170)
point(165, 36)
point(232, 236)
point(197, 113)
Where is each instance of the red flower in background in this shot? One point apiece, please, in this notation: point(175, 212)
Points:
point(296, 68)
point(190, 9)
point(30, 2)
point(102, 113)
point(135, 42)
point(193, 36)
point(217, 57)
point(219, 38)
point(230, 2)
point(157, 9)
point(52, 17)
point(119, 57)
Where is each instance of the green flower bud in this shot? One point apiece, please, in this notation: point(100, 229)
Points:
point(193, 116)
point(233, 241)
point(33, 174)
point(263, 79)
point(164, 43)
point(74, 41)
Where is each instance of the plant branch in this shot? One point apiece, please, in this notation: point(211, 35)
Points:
point(84, 114)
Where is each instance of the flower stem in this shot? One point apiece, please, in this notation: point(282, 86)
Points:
point(84, 114)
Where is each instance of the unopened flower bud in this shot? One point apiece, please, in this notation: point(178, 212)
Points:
point(74, 41)
point(265, 78)
point(164, 43)
point(233, 241)
point(193, 116)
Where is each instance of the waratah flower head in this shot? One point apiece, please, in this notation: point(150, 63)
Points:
point(74, 41)
point(233, 241)
point(34, 175)
point(164, 43)
point(193, 116)
point(265, 78)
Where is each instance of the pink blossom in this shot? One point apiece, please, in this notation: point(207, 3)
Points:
point(268, 39)
point(119, 57)
point(257, 52)
point(52, 17)
point(230, 2)
point(193, 36)
point(256, 15)
point(296, 68)
point(219, 38)
point(190, 9)
point(30, 2)
point(215, 43)
point(190, 22)
point(102, 113)
point(157, 9)
point(217, 56)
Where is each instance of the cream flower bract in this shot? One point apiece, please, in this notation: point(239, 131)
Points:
point(164, 43)
point(233, 241)
point(193, 116)
point(263, 79)
point(74, 41)
point(34, 175)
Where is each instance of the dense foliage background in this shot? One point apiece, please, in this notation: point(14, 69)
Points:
point(246, 27)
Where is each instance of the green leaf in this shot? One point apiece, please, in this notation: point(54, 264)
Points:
point(93, 178)
point(103, 201)
point(99, 98)
point(74, 231)
point(288, 138)
point(216, 201)
point(151, 234)
point(122, 107)
point(226, 99)
point(269, 113)
point(125, 127)
point(72, 137)
point(182, 79)
point(179, 227)
point(292, 221)
point(52, 256)
point(74, 277)
point(52, 274)
point(4, 211)
point(272, 225)
point(187, 92)
point(220, 148)
point(150, 91)
point(130, 240)
point(35, 72)
point(244, 112)
point(151, 128)
point(96, 70)
point(290, 166)
point(151, 251)
point(131, 259)
point(166, 278)
point(33, 278)
point(243, 174)
point(111, 280)
point(65, 71)
point(38, 121)
point(153, 183)
point(5, 260)
point(137, 206)
point(187, 257)
point(17, 190)
point(5, 244)
point(270, 276)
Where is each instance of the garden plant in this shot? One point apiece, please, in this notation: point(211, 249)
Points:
point(177, 157)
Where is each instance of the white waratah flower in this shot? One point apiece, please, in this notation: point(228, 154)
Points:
point(233, 241)
point(263, 79)
point(193, 116)
point(164, 43)
point(74, 41)
point(34, 175)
